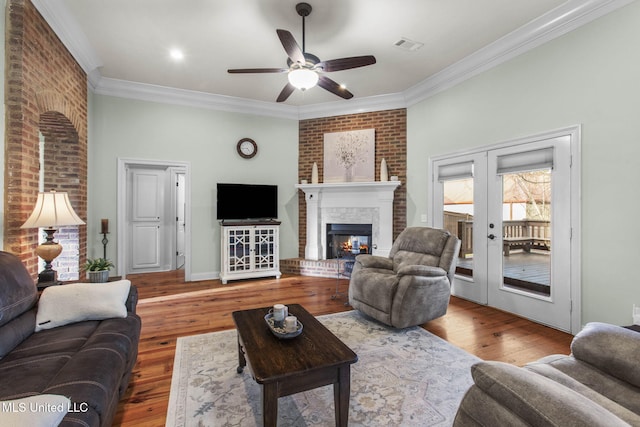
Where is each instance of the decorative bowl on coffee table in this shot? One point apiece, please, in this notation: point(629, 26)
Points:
point(280, 332)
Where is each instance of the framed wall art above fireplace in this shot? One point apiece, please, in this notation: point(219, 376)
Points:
point(350, 156)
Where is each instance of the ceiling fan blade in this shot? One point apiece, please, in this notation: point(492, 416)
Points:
point(291, 46)
point(257, 70)
point(333, 87)
point(346, 63)
point(286, 92)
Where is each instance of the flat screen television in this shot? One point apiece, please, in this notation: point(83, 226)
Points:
point(247, 201)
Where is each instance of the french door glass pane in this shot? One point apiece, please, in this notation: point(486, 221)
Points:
point(458, 219)
point(526, 231)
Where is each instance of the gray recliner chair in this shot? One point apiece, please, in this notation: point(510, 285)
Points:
point(412, 285)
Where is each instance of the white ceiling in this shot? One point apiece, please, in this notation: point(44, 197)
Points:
point(124, 43)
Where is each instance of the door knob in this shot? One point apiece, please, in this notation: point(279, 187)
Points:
point(491, 236)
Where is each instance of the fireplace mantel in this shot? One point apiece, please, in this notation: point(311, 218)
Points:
point(362, 202)
point(350, 186)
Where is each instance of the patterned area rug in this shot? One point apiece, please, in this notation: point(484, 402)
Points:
point(404, 377)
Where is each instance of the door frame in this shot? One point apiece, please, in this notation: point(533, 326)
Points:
point(175, 173)
point(121, 207)
point(574, 132)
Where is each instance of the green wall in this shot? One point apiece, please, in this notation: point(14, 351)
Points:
point(591, 77)
point(124, 128)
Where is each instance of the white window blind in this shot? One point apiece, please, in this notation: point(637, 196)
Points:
point(455, 171)
point(526, 161)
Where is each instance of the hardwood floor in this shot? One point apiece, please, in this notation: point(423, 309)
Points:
point(171, 308)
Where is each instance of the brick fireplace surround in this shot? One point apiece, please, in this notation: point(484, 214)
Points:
point(46, 92)
point(391, 144)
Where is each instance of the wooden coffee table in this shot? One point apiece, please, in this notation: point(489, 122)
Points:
point(313, 359)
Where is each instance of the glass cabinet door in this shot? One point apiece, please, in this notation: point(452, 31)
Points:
point(240, 243)
point(264, 248)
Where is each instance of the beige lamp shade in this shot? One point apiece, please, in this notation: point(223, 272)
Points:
point(52, 209)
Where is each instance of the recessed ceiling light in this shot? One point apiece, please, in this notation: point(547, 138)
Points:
point(176, 54)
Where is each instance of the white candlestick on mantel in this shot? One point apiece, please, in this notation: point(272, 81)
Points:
point(384, 172)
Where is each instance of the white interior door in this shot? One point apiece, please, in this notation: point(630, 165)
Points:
point(514, 207)
point(147, 219)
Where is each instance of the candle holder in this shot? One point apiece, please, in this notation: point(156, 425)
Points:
point(104, 230)
point(104, 244)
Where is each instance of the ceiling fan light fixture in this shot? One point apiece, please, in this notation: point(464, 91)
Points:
point(303, 78)
point(304, 69)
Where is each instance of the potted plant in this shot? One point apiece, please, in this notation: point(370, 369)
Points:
point(98, 269)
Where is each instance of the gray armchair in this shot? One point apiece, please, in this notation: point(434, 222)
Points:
point(412, 285)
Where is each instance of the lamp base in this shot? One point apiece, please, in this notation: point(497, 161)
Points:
point(48, 277)
point(48, 251)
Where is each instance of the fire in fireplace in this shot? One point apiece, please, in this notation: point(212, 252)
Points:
point(348, 240)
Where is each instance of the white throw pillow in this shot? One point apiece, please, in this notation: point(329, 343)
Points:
point(75, 302)
point(44, 410)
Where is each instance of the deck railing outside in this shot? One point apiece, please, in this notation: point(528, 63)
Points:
point(519, 234)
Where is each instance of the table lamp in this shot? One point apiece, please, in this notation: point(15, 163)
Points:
point(52, 210)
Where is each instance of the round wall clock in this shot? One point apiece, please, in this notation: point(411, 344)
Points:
point(247, 148)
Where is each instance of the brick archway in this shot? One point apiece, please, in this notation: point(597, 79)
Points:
point(59, 170)
point(45, 88)
point(49, 101)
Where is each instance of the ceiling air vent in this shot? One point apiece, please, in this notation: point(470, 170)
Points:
point(408, 45)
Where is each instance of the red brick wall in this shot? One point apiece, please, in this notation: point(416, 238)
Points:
point(391, 144)
point(46, 91)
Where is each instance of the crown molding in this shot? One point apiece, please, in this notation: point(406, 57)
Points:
point(561, 20)
point(189, 98)
point(168, 95)
point(69, 32)
point(365, 104)
point(565, 18)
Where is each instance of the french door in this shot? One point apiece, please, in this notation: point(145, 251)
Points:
point(513, 207)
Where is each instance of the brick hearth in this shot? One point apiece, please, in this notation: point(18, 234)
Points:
point(306, 267)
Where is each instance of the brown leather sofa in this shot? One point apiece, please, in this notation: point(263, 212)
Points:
point(89, 362)
point(598, 385)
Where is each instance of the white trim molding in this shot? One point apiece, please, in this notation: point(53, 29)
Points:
point(168, 95)
point(69, 32)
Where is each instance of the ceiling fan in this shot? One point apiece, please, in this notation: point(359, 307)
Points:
point(306, 70)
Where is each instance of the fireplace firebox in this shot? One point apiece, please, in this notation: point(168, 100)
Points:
point(348, 240)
